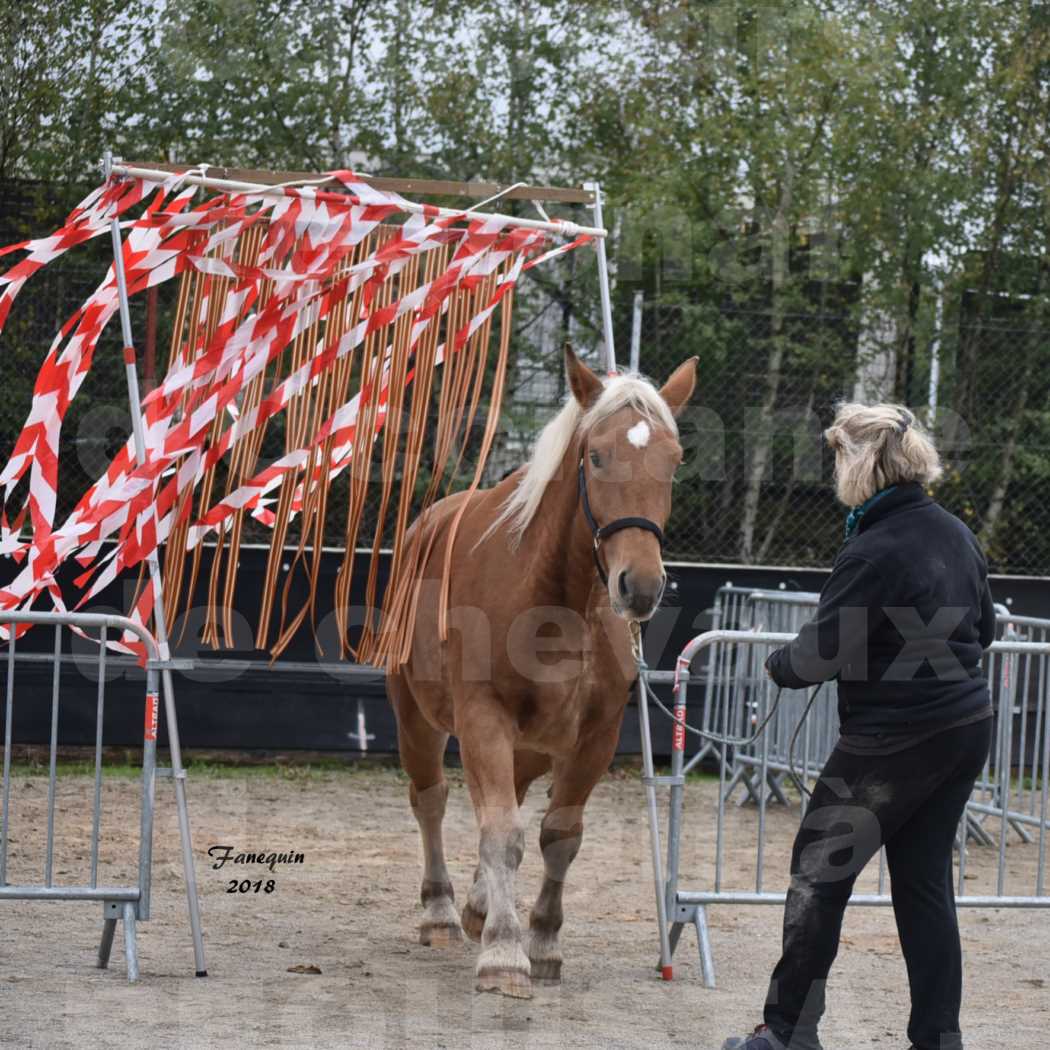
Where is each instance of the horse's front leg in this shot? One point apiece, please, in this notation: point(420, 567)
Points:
point(528, 766)
point(561, 834)
point(487, 750)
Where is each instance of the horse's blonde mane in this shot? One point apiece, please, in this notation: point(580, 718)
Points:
point(618, 392)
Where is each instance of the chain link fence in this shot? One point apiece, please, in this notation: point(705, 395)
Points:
point(756, 485)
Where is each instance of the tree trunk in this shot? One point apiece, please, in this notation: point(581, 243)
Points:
point(966, 378)
point(1006, 462)
point(763, 437)
point(789, 489)
point(876, 353)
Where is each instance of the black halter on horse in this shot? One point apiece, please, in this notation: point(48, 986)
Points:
point(601, 532)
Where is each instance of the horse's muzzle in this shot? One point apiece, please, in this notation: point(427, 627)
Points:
point(638, 596)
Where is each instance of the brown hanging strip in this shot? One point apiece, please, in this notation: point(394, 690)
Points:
point(396, 636)
point(477, 352)
point(175, 548)
point(207, 303)
point(305, 424)
point(406, 553)
point(491, 424)
point(409, 448)
point(344, 574)
point(315, 479)
point(405, 578)
point(364, 440)
point(244, 459)
point(400, 355)
point(295, 417)
point(182, 350)
point(224, 553)
point(206, 311)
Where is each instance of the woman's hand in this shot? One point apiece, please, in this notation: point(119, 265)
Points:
point(768, 668)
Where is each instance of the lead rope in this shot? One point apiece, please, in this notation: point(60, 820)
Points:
point(799, 783)
point(705, 734)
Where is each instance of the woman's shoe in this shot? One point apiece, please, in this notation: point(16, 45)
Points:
point(760, 1039)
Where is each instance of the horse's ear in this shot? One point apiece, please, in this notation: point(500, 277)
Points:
point(679, 388)
point(583, 383)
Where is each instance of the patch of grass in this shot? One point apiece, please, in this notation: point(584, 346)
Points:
point(700, 776)
point(210, 768)
point(289, 766)
point(75, 768)
point(293, 771)
point(633, 771)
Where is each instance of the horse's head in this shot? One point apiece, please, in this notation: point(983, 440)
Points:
point(628, 455)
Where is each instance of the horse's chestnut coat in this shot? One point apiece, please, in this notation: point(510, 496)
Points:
point(537, 668)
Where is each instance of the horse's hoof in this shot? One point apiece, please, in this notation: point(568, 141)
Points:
point(547, 971)
point(440, 935)
point(473, 922)
point(513, 983)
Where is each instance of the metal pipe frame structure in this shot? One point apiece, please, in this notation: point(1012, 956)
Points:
point(178, 771)
point(568, 229)
point(110, 167)
point(603, 282)
point(563, 228)
point(127, 908)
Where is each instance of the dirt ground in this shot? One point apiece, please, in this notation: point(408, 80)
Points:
point(351, 909)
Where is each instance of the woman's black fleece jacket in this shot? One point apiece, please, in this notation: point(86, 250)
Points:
point(902, 622)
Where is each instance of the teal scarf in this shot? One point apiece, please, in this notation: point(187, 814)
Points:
point(856, 513)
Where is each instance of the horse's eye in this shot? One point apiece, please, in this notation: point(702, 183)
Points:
point(596, 460)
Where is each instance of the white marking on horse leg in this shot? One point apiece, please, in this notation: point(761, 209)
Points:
point(560, 838)
point(503, 965)
point(639, 434)
point(440, 924)
point(476, 908)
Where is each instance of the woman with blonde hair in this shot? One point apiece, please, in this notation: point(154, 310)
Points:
point(902, 623)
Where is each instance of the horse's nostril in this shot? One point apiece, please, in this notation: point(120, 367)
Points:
point(624, 589)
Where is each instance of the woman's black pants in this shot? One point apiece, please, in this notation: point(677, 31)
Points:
point(911, 802)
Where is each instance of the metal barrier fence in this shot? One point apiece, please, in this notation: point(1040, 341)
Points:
point(784, 611)
point(779, 612)
point(126, 901)
point(745, 699)
point(743, 608)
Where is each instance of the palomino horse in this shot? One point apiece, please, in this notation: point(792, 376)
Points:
point(538, 666)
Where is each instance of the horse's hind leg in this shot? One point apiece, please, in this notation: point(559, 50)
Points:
point(561, 834)
point(528, 765)
point(422, 750)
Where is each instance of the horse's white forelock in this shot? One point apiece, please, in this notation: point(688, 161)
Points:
point(618, 392)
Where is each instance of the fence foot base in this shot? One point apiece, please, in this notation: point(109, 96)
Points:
point(1022, 832)
point(666, 970)
point(109, 927)
point(755, 789)
point(676, 935)
point(178, 774)
point(703, 940)
point(975, 831)
point(776, 790)
point(130, 947)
